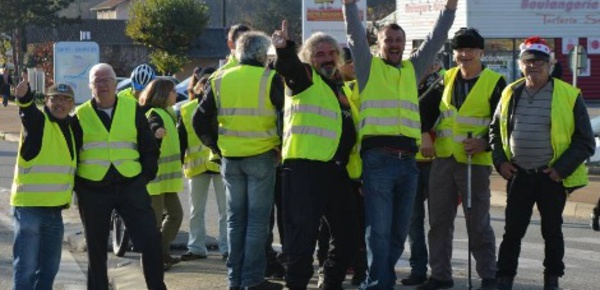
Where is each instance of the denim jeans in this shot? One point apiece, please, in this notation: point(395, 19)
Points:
point(389, 188)
point(5, 99)
point(38, 235)
point(249, 188)
point(416, 230)
point(198, 196)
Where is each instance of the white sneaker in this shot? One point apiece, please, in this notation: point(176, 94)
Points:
point(321, 278)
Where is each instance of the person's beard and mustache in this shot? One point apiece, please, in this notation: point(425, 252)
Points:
point(328, 69)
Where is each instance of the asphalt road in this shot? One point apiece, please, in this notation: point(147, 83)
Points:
point(582, 254)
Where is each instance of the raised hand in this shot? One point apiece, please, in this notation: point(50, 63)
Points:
point(280, 37)
point(23, 86)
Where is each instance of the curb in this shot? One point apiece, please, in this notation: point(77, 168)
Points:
point(10, 137)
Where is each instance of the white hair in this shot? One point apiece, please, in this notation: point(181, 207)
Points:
point(102, 67)
point(252, 45)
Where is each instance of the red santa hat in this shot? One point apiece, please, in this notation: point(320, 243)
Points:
point(534, 47)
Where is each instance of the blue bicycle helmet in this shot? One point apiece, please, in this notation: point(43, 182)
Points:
point(141, 76)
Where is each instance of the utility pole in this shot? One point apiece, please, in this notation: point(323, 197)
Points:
point(223, 13)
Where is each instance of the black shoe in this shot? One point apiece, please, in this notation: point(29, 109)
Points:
point(550, 282)
point(358, 278)
point(414, 279)
point(189, 256)
point(225, 256)
point(505, 283)
point(595, 223)
point(266, 285)
point(488, 284)
point(433, 284)
point(275, 271)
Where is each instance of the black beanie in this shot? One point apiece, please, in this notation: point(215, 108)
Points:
point(467, 38)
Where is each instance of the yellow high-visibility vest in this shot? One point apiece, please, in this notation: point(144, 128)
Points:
point(312, 123)
point(169, 177)
point(127, 93)
point(474, 116)
point(389, 104)
point(197, 158)
point(562, 126)
point(46, 180)
point(102, 148)
point(247, 118)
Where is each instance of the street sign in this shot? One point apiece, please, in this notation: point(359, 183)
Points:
point(72, 63)
point(578, 61)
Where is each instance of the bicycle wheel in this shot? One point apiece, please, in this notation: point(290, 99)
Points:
point(120, 235)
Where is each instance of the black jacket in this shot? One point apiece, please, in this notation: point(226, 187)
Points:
point(582, 142)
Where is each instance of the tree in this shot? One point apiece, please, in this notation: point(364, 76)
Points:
point(268, 17)
point(17, 14)
point(168, 27)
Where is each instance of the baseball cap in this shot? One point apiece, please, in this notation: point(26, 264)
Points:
point(467, 38)
point(60, 89)
point(534, 47)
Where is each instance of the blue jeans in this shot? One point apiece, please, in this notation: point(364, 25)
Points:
point(199, 185)
point(416, 230)
point(389, 187)
point(249, 189)
point(37, 246)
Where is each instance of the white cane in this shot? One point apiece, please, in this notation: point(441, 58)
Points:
point(469, 163)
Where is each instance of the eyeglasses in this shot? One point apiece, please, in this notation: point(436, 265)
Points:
point(60, 100)
point(534, 62)
point(106, 81)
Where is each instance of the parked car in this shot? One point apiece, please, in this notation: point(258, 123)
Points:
point(126, 83)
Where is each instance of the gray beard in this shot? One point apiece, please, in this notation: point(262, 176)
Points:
point(328, 72)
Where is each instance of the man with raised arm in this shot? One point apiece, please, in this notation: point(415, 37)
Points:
point(389, 130)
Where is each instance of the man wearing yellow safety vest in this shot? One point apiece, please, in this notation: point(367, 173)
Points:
point(42, 185)
point(389, 132)
point(541, 135)
point(318, 136)
point(233, 34)
point(117, 158)
point(471, 93)
point(244, 100)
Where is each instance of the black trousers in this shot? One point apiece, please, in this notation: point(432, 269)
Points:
point(360, 259)
point(132, 202)
point(525, 190)
point(311, 190)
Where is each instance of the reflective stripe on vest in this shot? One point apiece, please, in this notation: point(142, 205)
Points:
point(247, 118)
point(102, 148)
point(313, 122)
point(389, 102)
point(48, 179)
point(169, 177)
point(562, 125)
point(474, 116)
point(196, 159)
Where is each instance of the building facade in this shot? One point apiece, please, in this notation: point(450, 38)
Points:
point(505, 24)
